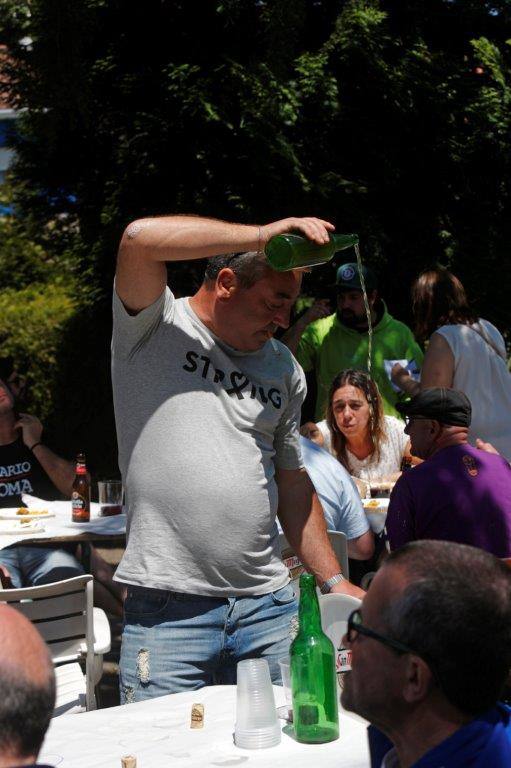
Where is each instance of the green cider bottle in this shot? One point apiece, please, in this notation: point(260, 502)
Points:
point(285, 252)
point(313, 683)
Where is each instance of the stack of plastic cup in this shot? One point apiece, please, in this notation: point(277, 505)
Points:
point(257, 724)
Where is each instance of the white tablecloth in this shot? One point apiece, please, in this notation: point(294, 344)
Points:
point(158, 733)
point(61, 524)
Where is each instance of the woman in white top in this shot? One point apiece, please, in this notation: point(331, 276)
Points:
point(465, 353)
point(368, 444)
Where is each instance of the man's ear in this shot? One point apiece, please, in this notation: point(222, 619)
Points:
point(372, 297)
point(436, 428)
point(418, 679)
point(226, 283)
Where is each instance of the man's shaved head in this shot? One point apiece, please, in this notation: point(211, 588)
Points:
point(27, 688)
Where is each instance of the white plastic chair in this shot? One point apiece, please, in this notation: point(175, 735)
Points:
point(339, 544)
point(63, 614)
point(335, 609)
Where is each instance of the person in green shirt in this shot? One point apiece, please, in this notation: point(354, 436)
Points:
point(336, 341)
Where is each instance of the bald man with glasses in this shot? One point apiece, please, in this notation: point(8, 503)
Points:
point(431, 653)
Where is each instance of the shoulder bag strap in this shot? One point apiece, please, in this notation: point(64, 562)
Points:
point(478, 328)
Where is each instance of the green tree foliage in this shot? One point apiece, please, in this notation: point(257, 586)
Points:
point(32, 321)
point(22, 262)
point(391, 117)
point(37, 302)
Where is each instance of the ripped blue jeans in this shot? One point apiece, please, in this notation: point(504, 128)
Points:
point(175, 642)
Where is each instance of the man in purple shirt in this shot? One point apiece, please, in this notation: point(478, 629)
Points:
point(459, 493)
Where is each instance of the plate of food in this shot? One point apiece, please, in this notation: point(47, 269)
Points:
point(376, 512)
point(25, 514)
point(374, 504)
point(17, 527)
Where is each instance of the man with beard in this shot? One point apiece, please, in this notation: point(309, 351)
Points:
point(329, 344)
point(430, 656)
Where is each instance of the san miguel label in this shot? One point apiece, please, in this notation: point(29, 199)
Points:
point(292, 563)
point(343, 660)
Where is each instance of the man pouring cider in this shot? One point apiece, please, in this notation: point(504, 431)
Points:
point(207, 408)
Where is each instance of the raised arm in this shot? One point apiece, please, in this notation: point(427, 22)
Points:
point(60, 471)
point(148, 243)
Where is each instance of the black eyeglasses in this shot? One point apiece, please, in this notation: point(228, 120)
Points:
point(355, 627)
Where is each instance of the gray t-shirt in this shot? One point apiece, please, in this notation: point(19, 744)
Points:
point(201, 428)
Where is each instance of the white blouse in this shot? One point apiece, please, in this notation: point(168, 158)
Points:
point(483, 376)
point(392, 449)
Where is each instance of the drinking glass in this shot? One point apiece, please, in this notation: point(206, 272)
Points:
point(110, 497)
point(285, 671)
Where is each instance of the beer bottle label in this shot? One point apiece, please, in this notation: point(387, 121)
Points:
point(342, 665)
point(77, 502)
point(343, 660)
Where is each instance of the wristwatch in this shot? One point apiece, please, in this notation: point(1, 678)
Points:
point(326, 587)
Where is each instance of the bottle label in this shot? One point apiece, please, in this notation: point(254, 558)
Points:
point(293, 564)
point(343, 660)
point(78, 503)
point(342, 665)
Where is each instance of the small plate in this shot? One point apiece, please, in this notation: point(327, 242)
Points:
point(17, 528)
point(376, 516)
point(9, 514)
point(376, 505)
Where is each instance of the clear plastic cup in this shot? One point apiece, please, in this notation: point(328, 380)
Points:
point(285, 671)
point(257, 725)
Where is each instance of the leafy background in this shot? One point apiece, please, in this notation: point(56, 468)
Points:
point(391, 118)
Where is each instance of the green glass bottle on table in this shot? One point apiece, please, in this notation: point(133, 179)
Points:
point(313, 683)
point(285, 252)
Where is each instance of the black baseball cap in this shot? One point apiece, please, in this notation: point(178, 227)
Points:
point(348, 278)
point(448, 406)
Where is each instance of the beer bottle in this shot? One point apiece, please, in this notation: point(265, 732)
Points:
point(80, 497)
point(285, 252)
point(313, 684)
